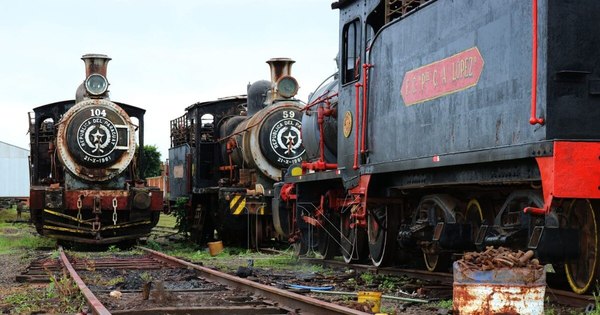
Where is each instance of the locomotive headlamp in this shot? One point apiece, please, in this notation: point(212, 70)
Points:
point(96, 84)
point(287, 86)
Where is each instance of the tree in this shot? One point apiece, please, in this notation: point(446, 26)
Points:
point(152, 161)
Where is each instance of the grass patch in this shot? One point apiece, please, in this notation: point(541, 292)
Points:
point(167, 220)
point(60, 296)
point(15, 236)
point(232, 257)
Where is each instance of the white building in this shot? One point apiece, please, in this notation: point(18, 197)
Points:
point(14, 171)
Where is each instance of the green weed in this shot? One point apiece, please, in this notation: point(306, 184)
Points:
point(447, 304)
point(368, 278)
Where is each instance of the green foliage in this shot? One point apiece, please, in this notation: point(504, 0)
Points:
point(596, 294)
point(60, 296)
point(387, 285)
point(181, 214)
point(447, 304)
point(113, 249)
point(116, 280)
point(152, 162)
point(146, 277)
point(367, 278)
point(153, 245)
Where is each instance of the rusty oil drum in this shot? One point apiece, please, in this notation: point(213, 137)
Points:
point(498, 291)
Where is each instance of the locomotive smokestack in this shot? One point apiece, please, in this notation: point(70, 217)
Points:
point(95, 63)
point(284, 85)
point(279, 68)
point(95, 84)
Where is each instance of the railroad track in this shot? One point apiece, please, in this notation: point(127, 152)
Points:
point(219, 293)
point(446, 279)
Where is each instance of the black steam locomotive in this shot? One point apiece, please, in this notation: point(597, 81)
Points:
point(226, 155)
point(455, 125)
point(84, 182)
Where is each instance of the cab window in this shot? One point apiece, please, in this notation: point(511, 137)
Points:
point(351, 63)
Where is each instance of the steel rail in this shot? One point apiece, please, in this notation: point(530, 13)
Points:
point(307, 305)
point(93, 302)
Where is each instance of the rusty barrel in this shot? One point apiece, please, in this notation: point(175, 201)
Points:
point(498, 291)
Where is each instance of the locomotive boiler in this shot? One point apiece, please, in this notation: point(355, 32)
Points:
point(84, 182)
point(226, 155)
point(458, 125)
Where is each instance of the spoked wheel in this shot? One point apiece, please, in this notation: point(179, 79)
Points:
point(476, 212)
point(309, 236)
point(436, 262)
point(582, 272)
point(329, 236)
point(352, 239)
point(431, 211)
point(381, 230)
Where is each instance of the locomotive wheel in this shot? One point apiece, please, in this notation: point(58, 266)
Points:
point(582, 272)
point(353, 240)
point(475, 214)
point(328, 237)
point(433, 257)
point(381, 232)
point(309, 236)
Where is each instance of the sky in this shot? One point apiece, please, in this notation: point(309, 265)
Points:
point(166, 55)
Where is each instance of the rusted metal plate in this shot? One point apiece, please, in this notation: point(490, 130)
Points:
point(502, 290)
point(106, 197)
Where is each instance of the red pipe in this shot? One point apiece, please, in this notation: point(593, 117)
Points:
point(320, 120)
point(357, 85)
point(366, 67)
point(534, 62)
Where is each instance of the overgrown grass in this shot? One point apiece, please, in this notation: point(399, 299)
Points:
point(14, 236)
point(60, 296)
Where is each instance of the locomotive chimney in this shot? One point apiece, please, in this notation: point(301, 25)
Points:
point(279, 68)
point(95, 63)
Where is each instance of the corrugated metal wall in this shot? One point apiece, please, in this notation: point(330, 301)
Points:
point(14, 171)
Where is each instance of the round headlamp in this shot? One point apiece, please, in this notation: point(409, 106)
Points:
point(96, 84)
point(287, 86)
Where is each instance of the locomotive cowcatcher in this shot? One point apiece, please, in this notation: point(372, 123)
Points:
point(455, 125)
point(226, 155)
point(84, 182)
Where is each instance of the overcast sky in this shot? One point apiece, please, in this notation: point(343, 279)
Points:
point(166, 55)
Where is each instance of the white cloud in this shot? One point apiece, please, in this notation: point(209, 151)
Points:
point(166, 55)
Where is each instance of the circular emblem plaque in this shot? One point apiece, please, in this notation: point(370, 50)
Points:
point(347, 124)
point(97, 137)
point(286, 141)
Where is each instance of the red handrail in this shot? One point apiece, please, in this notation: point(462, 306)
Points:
point(366, 67)
point(357, 85)
point(533, 120)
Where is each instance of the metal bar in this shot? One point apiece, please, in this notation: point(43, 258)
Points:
point(306, 304)
point(97, 307)
point(534, 120)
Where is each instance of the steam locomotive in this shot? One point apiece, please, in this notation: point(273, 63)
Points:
point(226, 155)
point(84, 182)
point(454, 125)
